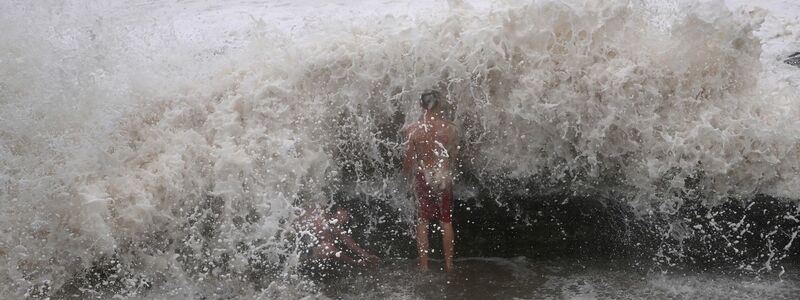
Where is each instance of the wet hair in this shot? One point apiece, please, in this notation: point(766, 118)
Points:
point(429, 99)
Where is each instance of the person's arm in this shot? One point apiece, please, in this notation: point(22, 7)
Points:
point(408, 155)
point(451, 146)
point(454, 140)
point(351, 244)
point(331, 252)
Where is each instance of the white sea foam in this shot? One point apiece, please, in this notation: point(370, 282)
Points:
point(127, 136)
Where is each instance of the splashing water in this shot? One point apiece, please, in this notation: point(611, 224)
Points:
point(174, 145)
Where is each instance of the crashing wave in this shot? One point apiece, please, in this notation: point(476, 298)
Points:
point(201, 183)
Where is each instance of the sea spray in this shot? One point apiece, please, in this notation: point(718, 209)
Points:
point(192, 176)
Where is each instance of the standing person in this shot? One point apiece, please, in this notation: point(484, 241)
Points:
point(431, 150)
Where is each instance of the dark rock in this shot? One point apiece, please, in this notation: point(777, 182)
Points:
point(793, 59)
point(500, 221)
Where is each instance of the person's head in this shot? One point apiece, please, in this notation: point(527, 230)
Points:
point(430, 99)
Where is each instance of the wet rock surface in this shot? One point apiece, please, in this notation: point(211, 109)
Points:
point(793, 59)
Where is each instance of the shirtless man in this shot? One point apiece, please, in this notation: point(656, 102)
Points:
point(431, 150)
point(330, 242)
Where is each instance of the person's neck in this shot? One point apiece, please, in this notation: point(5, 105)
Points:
point(431, 114)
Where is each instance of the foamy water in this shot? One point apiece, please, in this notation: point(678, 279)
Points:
point(178, 141)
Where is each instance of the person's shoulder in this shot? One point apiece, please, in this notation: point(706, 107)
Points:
point(410, 128)
point(452, 128)
point(448, 124)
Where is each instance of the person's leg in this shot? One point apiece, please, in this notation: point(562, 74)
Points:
point(422, 243)
point(448, 238)
point(424, 214)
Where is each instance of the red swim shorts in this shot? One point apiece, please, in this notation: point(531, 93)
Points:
point(433, 204)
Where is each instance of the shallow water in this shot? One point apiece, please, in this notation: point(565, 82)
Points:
point(522, 278)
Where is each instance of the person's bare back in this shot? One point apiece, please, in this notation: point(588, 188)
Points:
point(432, 148)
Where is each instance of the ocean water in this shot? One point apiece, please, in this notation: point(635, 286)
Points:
point(157, 150)
point(522, 278)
